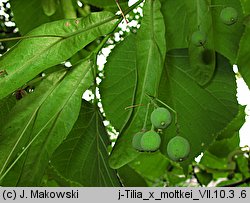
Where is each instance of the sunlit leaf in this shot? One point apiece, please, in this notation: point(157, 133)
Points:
point(31, 56)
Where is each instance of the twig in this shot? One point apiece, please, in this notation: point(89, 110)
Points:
point(118, 5)
point(133, 106)
point(247, 180)
point(196, 177)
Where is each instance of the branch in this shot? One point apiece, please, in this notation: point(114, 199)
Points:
point(247, 180)
point(196, 177)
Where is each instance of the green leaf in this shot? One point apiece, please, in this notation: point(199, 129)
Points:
point(202, 111)
point(40, 122)
point(50, 6)
point(222, 148)
point(213, 163)
point(53, 175)
point(243, 53)
point(68, 9)
point(234, 126)
point(6, 105)
point(150, 54)
point(204, 177)
point(246, 6)
point(235, 180)
point(243, 56)
point(175, 176)
point(30, 14)
point(31, 56)
point(130, 178)
point(118, 87)
point(243, 165)
point(83, 156)
point(151, 166)
point(177, 24)
point(202, 59)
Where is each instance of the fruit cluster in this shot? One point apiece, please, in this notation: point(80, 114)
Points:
point(178, 147)
point(151, 140)
point(228, 16)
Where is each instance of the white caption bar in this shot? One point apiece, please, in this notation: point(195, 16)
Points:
point(100, 194)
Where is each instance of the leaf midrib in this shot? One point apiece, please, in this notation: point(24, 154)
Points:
point(61, 38)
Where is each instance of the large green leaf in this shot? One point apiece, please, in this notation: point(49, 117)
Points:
point(31, 56)
point(130, 178)
point(30, 14)
point(40, 122)
point(83, 156)
point(150, 45)
point(202, 59)
point(202, 111)
point(118, 86)
point(175, 13)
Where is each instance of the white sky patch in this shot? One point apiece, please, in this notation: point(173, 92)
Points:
point(68, 64)
point(243, 96)
point(98, 81)
point(106, 51)
point(10, 24)
point(79, 3)
point(106, 123)
point(198, 158)
point(88, 95)
point(101, 60)
point(235, 68)
point(131, 2)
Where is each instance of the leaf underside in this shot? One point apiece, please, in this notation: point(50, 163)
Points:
point(33, 135)
point(150, 53)
point(202, 111)
point(83, 156)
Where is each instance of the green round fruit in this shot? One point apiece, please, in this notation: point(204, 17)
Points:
point(136, 142)
point(160, 118)
point(150, 141)
point(178, 148)
point(229, 15)
point(198, 38)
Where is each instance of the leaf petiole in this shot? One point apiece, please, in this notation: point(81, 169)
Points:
point(144, 128)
